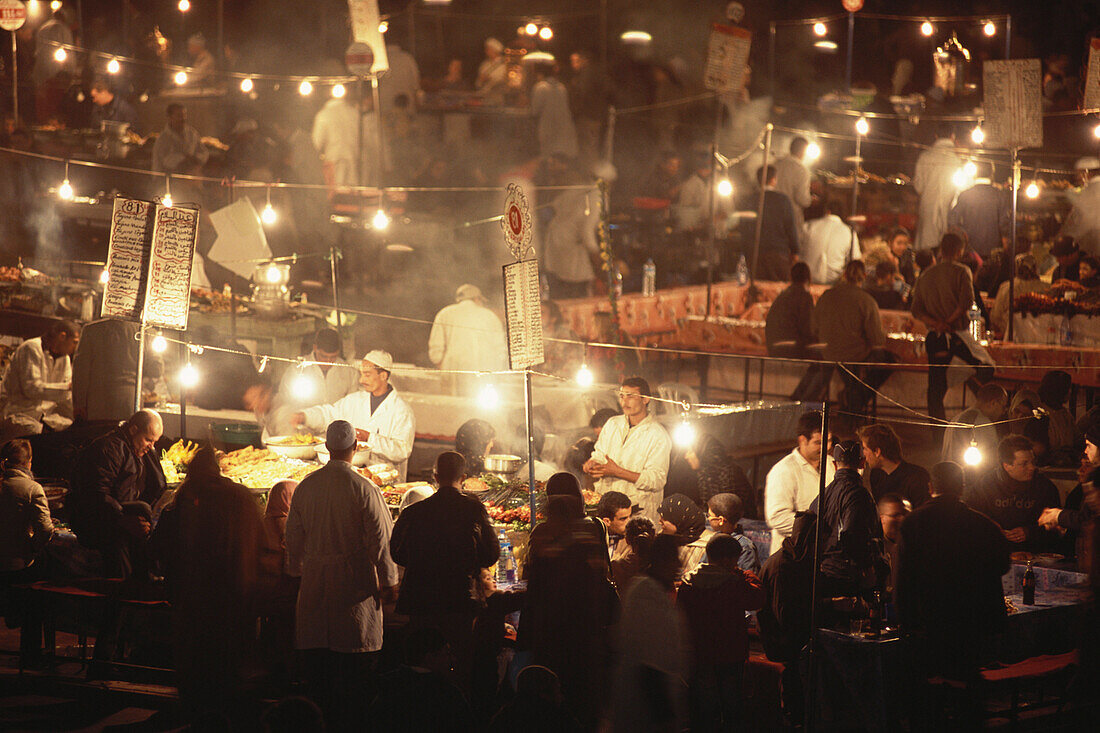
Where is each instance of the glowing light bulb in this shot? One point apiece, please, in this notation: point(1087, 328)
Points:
point(683, 435)
point(189, 376)
point(990, 29)
point(381, 220)
point(65, 190)
point(970, 169)
point(813, 151)
point(585, 378)
point(1032, 190)
point(305, 88)
point(104, 277)
point(303, 387)
point(820, 29)
point(268, 216)
point(926, 28)
point(184, 5)
point(488, 398)
point(959, 178)
point(725, 188)
point(180, 78)
point(546, 33)
point(60, 55)
point(977, 135)
point(1096, 131)
point(273, 275)
point(383, 27)
point(113, 66)
point(246, 86)
point(530, 29)
point(972, 456)
point(338, 90)
point(862, 126)
point(167, 201)
point(55, 5)
point(159, 344)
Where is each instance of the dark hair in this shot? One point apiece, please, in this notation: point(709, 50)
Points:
point(641, 384)
point(800, 273)
point(923, 258)
point(848, 452)
point(293, 715)
point(948, 479)
point(173, 107)
point(991, 391)
point(1054, 387)
point(855, 271)
point(835, 207)
point(449, 467)
point(16, 454)
point(945, 129)
point(472, 440)
point(897, 232)
point(892, 498)
point(1010, 444)
point(328, 340)
point(951, 245)
point(765, 174)
point(884, 269)
point(62, 327)
point(102, 84)
point(809, 423)
point(612, 503)
point(883, 438)
point(578, 454)
point(665, 549)
point(637, 528)
point(1093, 262)
point(602, 415)
point(563, 483)
point(723, 547)
point(728, 506)
point(421, 642)
point(798, 145)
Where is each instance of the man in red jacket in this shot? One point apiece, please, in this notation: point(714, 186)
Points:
point(714, 600)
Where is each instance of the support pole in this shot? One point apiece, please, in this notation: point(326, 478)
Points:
point(811, 646)
point(334, 255)
point(14, 79)
point(771, 58)
point(183, 389)
point(140, 366)
point(712, 235)
point(851, 43)
point(1012, 253)
point(856, 172)
point(529, 414)
point(760, 202)
point(1008, 37)
point(378, 129)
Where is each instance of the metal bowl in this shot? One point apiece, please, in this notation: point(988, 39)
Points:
point(359, 460)
point(502, 463)
point(293, 450)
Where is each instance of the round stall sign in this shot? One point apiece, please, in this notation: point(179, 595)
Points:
point(359, 58)
point(852, 6)
point(13, 14)
point(516, 221)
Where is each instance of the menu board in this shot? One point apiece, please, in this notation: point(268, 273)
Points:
point(1092, 76)
point(1012, 102)
point(175, 230)
point(365, 22)
point(727, 58)
point(128, 259)
point(523, 313)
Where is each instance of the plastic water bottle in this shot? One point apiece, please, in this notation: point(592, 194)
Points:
point(649, 278)
point(977, 324)
point(1066, 332)
point(617, 281)
point(506, 565)
point(742, 271)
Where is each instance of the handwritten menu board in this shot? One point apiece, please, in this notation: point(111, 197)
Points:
point(523, 314)
point(1012, 101)
point(128, 259)
point(1092, 76)
point(727, 58)
point(168, 291)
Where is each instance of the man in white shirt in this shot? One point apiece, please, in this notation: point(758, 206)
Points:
point(793, 482)
point(467, 336)
point(1083, 222)
point(381, 418)
point(324, 380)
point(632, 453)
point(492, 74)
point(336, 137)
point(933, 180)
point(38, 388)
point(179, 147)
point(792, 178)
point(828, 245)
point(550, 107)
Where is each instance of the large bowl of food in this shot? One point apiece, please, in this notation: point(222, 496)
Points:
point(360, 459)
point(302, 446)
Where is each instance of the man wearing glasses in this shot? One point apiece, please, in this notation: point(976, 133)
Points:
point(631, 455)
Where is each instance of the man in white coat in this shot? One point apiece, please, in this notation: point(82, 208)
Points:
point(793, 482)
point(550, 106)
point(933, 181)
point(38, 388)
point(381, 418)
point(336, 137)
point(325, 380)
point(338, 540)
point(1083, 222)
point(632, 453)
point(467, 336)
point(792, 178)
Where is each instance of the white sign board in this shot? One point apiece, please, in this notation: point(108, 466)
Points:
point(727, 58)
point(240, 240)
point(364, 29)
point(168, 293)
point(523, 314)
point(1012, 103)
point(516, 221)
point(13, 14)
point(1092, 76)
point(128, 259)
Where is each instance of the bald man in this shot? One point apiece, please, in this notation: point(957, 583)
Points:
point(116, 480)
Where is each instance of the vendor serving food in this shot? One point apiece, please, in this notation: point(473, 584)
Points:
point(382, 420)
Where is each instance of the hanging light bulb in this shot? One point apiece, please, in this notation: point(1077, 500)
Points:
point(977, 135)
point(820, 29)
point(184, 5)
point(246, 85)
point(159, 344)
point(273, 275)
point(305, 88)
point(585, 378)
point(725, 188)
point(546, 33)
point(926, 28)
point(189, 376)
point(972, 456)
point(166, 200)
point(104, 277)
point(268, 216)
point(862, 126)
point(488, 398)
point(970, 168)
point(380, 220)
point(55, 5)
point(1032, 190)
point(113, 66)
point(1096, 131)
point(60, 55)
point(65, 190)
point(180, 78)
point(813, 151)
point(338, 91)
point(959, 178)
point(383, 27)
point(683, 434)
point(302, 387)
point(263, 365)
point(989, 28)
point(530, 29)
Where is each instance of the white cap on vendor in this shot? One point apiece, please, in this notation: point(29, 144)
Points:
point(468, 292)
point(1088, 163)
point(340, 436)
point(380, 359)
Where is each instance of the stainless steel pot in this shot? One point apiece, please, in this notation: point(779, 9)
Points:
point(503, 464)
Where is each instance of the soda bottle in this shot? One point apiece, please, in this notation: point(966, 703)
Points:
point(649, 278)
point(1029, 585)
point(506, 565)
point(742, 271)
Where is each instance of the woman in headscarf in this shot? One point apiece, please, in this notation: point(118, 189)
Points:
point(1030, 420)
point(474, 440)
point(1027, 281)
point(683, 519)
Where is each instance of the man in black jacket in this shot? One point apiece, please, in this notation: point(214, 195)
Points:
point(443, 542)
point(779, 236)
point(951, 559)
point(789, 332)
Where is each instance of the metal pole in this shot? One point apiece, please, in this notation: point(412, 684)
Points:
point(14, 79)
point(609, 144)
point(712, 235)
point(359, 172)
point(334, 255)
point(855, 173)
point(1008, 37)
point(1012, 254)
point(603, 36)
point(760, 202)
point(811, 645)
point(848, 63)
point(378, 127)
point(529, 413)
point(232, 314)
point(771, 58)
point(183, 389)
point(140, 366)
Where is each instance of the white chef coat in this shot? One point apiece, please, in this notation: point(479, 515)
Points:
point(36, 391)
point(171, 149)
point(791, 487)
point(933, 181)
point(338, 540)
point(793, 179)
point(556, 132)
point(644, 448)
point(1083, 222)
point(570, 239)
point(828, 245)
point(469, 337)
point(336, 137)
point(392, 427)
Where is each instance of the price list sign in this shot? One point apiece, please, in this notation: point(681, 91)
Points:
point(727, 58)
point(523, 314)
point(175, 230)
point(128, 259)
point(1012, 101)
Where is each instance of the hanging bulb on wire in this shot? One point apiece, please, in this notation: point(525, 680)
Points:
point(585, 378)
point(488, 398)
point(381, 220)
point(113, 66)
point(166, 201)
point(246, 85)
point(972, 456)
point(1032, 190)
point(65, 190)
point(159, 344)
point(268, 215)
point(305, 88)
point(189, 376)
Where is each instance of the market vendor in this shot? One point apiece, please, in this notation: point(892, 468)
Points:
point(632, 452)
point(115, 481)
point(381, 418)
point(38, 386)
point(325, 379)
